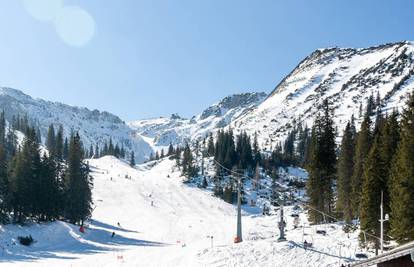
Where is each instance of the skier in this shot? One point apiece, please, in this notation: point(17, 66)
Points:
point(119, 225)
point(113, 234)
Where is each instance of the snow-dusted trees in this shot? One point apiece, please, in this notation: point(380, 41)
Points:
point(322, 166)
point(132, 159)
point(345, 170)
point(187, 163)
point(402, 179)
point(32, 185)
point(78, 184)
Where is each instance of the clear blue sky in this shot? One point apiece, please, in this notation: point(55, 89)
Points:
point(153, 58)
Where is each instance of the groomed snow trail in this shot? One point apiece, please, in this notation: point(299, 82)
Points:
point(163, 222)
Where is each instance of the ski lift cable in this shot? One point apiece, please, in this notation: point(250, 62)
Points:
point(303, 203)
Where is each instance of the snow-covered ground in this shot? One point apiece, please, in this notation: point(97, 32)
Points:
point(163, 222)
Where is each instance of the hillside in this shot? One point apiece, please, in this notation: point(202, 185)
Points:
point(94, 127)
point(163, 222)
point(345, 76)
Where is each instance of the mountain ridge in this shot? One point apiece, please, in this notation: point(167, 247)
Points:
point(345, 76)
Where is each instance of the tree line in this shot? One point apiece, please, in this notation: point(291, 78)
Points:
point(42, 185)
point(372, 164)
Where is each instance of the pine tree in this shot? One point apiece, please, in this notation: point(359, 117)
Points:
point(210, 145)
point(345, 170)
point(303, 145)
point(78, 184)
point(122, 151)
point(402, 179)
point(59, 146)
point(188, 168)
point(97, 153)
point(91, 151)
point(289, 148)
point(4, 184)
point(111, 148)
point(117, 151)
point(322, 166)
point(132, 160)
point(2, 129)
point(170, 150)
point(244, 151)
point(373, 183)
point(178, 157)
point(50, 195)
point(257, 156)
point(363, 145)
point(105, 151)
point(51, 140)
point(25, 178)
point(66, 149)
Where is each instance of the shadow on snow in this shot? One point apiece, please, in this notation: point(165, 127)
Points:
point(94, 240)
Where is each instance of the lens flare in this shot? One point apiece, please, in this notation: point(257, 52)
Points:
point(43, 10)
point(74, 26)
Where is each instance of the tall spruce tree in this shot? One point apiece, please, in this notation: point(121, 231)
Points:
point(322, 170)
point(303, 146)
point(59, 145)
point(50, 194)
point(66, 149)
point(97, 153)
point(4, 184)
point(51, 140)
point(363, 145)
point(132, 159)
point(345, 170)
point(257, 156)
point(188, 168)
point(25, 178)
point(374, 182)
point(402, 179)
point(78, 184)
point(210, 145)
point(170, 150)
point(2, 128)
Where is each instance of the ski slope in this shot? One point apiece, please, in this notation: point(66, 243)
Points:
point(163, 222)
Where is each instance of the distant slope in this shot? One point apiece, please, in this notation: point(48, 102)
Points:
point(93, 126)
point(176, 130)
point(345, 76)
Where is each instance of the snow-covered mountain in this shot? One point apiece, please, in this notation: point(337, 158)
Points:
point(160, 132)
point(346, 76)
point(93, 126)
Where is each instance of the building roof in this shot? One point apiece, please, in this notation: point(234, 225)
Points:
point(398, 252)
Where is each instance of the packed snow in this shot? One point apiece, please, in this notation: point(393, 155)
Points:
point(160, 221)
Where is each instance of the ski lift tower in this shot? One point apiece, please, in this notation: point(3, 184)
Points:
point(282, 225)
point(239, 225)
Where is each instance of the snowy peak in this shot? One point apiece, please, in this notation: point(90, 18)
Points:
point(236, 101)
point(94, 127)
point(346, 76)
point(160, 132)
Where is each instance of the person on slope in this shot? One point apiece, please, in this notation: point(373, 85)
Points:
point(113, 234)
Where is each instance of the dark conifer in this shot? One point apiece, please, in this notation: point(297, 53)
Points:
point(345, 170)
